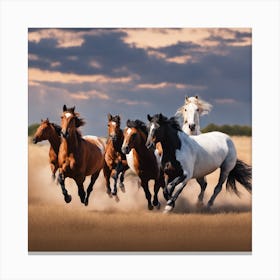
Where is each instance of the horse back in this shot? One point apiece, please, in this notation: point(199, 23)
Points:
point(93, 150)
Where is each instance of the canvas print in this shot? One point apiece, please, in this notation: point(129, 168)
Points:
point(139, 140)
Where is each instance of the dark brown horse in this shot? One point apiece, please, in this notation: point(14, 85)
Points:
point(51, 132)
point(78, 156)
point(143, 161)
point(115, 160)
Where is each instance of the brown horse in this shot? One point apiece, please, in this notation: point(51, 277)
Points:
point(51, 132)
point(78, 156)
point(115, 160)
point(141, 160)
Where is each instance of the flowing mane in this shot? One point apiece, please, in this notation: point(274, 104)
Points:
point(138, 125)
point(57, 128)
point(173, 122)
point(203, 106)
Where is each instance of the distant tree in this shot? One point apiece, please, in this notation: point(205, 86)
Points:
point(32, 129)
point(240, 130)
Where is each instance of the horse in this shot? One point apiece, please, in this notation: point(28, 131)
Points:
point(196, 157)
point(115, 161)
point(190, 112)
point(78, 156)
point(51, 132)
point(142, 161)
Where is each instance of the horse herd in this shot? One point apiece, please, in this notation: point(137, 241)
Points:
point(170, 151)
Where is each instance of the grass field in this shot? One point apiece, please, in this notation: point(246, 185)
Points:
point(107, 225)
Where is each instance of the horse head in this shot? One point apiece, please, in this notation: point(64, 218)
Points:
point(70, 121)
point(42, 132)
point(114, 123)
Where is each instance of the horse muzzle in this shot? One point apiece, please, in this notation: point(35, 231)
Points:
point(192, 126)
point(125, 149)
point(35, 140)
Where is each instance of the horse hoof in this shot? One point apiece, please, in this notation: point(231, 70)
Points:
point(168, 209)
point(199, 204)
point(68, 198)
point(150, 207)
point(122, 188)
point(117, 198)
point(86, 202)
point(158, 206)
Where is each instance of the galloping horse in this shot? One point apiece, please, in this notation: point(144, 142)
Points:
point(141, 160)
point(115, 160)
point(51, 132)
point(197, 156)
point(193, 108)
point(78, 156)
point(190, 112)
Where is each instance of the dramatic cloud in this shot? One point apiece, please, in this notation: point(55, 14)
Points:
point(138, 71)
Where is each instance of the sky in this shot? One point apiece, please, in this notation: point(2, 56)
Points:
point(135, 72)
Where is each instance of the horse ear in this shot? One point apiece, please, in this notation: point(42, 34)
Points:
point(186, 98)
point(196, 96)
point(160, 117)
point(149, 117)
point(73, 109)
point(47, 120)
point(109, 117)
point(64, 108)
point(42, 120)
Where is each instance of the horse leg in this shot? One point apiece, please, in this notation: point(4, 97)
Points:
point(53, 169)
point(148, 195)
point(157, 185)
point(218, 188)
point(80, 183)
point(107, 173)
point(124, 168)
point(90, 186)
point(171, 202)
point(203, 184)
point(61, 180)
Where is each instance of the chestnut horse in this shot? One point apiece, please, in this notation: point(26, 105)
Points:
point(115, 161)
point(78, 156)
point(51, 132)
point(141, 160)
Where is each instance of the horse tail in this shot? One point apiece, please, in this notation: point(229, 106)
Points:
point(241, 173)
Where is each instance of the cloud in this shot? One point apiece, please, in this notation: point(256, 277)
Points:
point(146, 70)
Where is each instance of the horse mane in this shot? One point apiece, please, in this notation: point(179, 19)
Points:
point(173, 121)
point(204, 107)
point(57, 128)
point(138, 125)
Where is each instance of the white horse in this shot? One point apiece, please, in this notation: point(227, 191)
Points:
point(190, 113)
point(195, 157)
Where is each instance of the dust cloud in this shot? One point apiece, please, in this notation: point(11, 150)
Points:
point(44, 191)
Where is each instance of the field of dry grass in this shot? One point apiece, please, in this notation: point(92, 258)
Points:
point(107, 225)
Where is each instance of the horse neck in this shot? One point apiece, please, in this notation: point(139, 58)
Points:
point(170, 143)
point(141, 149)
point(118, 143)
point(73, 142)
point(54, 140)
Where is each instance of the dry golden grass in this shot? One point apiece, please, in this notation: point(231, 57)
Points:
point(107, 225)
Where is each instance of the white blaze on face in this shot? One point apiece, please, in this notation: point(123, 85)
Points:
point(67, 115)
point(114, 123)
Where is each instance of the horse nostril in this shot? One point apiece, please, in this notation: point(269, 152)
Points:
point(34, 140)
point(192, 126)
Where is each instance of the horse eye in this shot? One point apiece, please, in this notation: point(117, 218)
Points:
point(197, 110)
point(185, 110)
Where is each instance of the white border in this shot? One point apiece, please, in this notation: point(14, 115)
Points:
point(17, 16)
